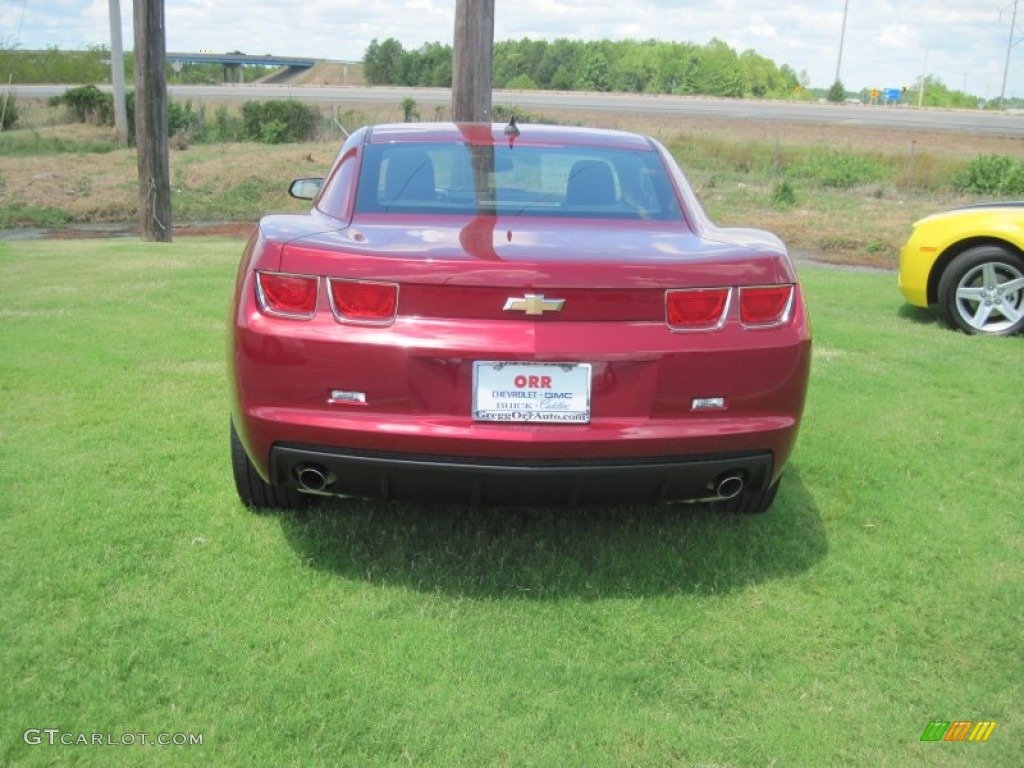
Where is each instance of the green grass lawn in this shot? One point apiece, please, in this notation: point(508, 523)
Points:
point(883, 590)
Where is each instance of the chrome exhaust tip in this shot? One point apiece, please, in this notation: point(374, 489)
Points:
point(313, 478)
point(729, 485)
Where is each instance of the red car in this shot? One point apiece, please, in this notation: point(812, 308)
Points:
point(512, 315)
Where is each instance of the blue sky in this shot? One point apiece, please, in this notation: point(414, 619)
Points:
point(888, 43)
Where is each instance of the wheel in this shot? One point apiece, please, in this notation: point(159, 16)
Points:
point(982, 291)
point(750, 502)
point(252, 490)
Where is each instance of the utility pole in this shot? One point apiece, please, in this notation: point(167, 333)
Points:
point(151, 121)
point(1009, 48)
point(924, 79)
point(117, 72)
point(473, 59)
point(842, 39)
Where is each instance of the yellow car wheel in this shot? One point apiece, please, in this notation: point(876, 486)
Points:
point(982, 291)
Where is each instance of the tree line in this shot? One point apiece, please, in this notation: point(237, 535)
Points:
point(651, 66)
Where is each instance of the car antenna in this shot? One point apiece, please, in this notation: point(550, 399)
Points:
point(512, 131)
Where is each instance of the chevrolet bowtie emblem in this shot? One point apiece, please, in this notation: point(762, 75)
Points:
point(534, 304)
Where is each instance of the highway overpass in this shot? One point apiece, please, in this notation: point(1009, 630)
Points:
point(233, 63)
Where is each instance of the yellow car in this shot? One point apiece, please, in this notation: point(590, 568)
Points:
point(970, 263)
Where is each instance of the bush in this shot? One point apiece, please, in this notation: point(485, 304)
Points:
point(783, 196)
point(991, 175)
point(273, 132)
point(522, 83)
point(87, 104)
point(841, 170)
point(409, 112)
point(278, 122)
point(227, 127)
point(182, 120)
point(269, 122)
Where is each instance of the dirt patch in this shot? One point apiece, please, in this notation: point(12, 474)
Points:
point(240, 230)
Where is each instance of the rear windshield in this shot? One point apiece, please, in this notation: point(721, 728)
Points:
point(557, 182)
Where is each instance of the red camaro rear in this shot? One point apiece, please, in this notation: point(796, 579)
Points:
point(512, 315)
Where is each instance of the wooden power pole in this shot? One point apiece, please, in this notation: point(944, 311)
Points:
point(151, 121)
point(473, 58)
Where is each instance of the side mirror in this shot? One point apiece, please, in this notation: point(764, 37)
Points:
point(305, 189)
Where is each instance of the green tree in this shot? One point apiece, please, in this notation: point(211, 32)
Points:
point(762, 79)
point(507, 62)
point(672, 63)
point(635, 68)
point(791, 82)
point(430, 65)
point(562, 80)
point(936, 94)
point(719, 72)
point(594, 70)
point(382, 62)
point(435, 70)
point(533, 54)
point(561, 56)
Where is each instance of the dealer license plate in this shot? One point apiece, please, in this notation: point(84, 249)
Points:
point(535, 392)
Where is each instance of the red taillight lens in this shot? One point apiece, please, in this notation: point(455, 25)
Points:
point(765, 305)
point(697, 308)
point(288, 295)
point(362, 301)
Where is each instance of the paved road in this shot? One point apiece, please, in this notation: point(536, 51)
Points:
point(903, 118)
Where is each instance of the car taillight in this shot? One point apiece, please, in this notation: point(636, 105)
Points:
point(765, 305)
point(696, 309)
point(363, 301)
point(287, 295)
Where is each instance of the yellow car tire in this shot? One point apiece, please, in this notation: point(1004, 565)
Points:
point(982, 291)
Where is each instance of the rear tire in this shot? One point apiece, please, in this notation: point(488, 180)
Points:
point(982, 291)
point(254, 492)
point(750, 502)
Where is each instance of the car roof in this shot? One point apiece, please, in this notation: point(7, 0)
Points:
point(495, 133)
point(999, 204)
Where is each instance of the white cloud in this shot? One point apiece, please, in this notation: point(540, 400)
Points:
point(764, 31)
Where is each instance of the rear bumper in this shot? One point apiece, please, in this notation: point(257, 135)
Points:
point(321, 471)
point(645, 438)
